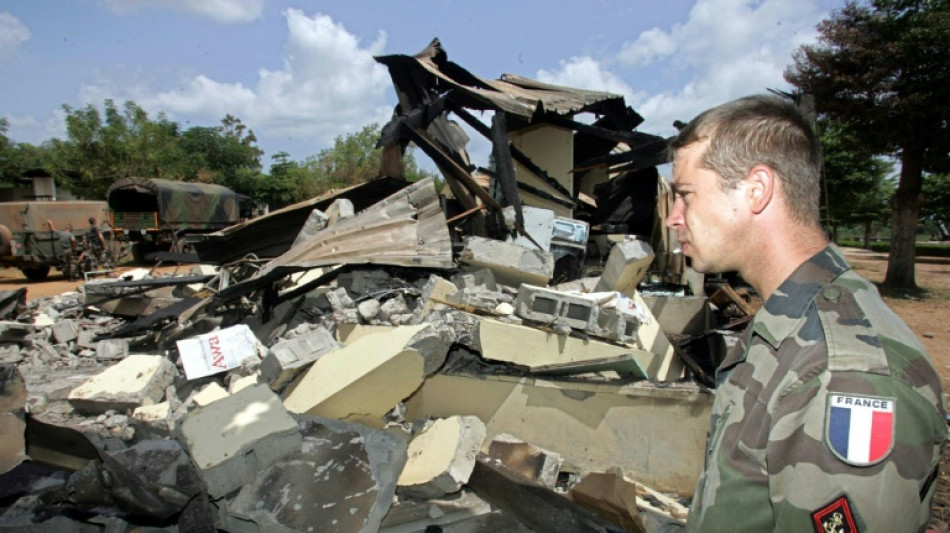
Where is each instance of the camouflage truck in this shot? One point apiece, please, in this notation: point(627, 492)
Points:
point(31, 237)
point(159, 214)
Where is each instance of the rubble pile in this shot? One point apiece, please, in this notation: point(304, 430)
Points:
point(396, 365)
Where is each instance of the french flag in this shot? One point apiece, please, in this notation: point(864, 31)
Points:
point(861, 428)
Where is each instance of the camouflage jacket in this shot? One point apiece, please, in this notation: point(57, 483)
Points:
point(828, 416)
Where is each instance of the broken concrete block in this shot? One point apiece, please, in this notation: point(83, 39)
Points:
point(342, 478)
point(392, 307)
point(442, 457)
point(218, 351)
point(532, 462)
point(112, 349)
point(340, 209)
point(361, 381)
point(552, 353)
point(368, 308)
point(286, 359)
point(481, 279)
point(546, 306)
point(240, 383)
point(511, 264)
point(211, 393)
point(65, 331)
point(680, 315)
point(233, 439)
point(314, 223)
point(153, 421)
point(538, 223)
point(626, 266)
point(132, 382)
point(432, 341)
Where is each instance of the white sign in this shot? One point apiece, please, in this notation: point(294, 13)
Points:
point(217, 351)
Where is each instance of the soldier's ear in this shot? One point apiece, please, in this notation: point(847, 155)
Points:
point(761, 184)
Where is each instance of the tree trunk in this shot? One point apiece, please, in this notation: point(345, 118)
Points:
point(867, 234)
point(906, 211)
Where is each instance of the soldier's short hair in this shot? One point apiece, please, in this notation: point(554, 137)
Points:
point(760, 129)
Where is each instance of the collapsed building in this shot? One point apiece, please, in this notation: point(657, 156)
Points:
point(513, 348)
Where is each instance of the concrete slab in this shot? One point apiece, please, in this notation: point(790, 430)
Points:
point(233, 439)
point(153, 421)
point(342, 478)
point(510, 263)
point(361, 381)
point(553, 353)
point(442, 457)
point(680, 315)
point(134, 381)
point(594, 426)
point(65, 331)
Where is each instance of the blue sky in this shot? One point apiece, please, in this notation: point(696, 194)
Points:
point(300, 73)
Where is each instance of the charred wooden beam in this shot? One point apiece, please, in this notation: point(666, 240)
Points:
point(516, 154)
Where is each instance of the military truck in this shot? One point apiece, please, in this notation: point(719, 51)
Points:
point(31, 237)
point(158, 214)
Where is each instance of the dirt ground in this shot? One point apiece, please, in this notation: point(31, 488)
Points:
point(926, 311)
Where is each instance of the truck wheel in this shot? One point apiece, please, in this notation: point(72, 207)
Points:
point(35, 273)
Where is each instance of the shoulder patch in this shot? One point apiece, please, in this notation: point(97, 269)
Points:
point(836, 517)
point(859, 430)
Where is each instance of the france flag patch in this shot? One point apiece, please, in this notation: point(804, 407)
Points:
point(860, 429)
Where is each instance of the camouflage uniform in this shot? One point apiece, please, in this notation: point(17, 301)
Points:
point(775, 461)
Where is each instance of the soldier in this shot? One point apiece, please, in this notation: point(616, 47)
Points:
point(828, 415)
point(67, 242)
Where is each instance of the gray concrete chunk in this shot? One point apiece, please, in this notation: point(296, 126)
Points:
point(342, 478)
point(288, 358)
point(135, 381)
point(233, 439)
point(510, 263)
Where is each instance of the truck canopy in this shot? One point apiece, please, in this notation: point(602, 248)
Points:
point(178, 204)
point(32, 216)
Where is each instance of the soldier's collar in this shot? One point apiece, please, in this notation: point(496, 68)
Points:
point(786, 307)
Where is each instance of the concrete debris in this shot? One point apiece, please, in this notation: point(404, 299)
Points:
point(360, 381)
point(532, 462)
point(133, 382)
point(511, 264)
point(232, 439)
point(516, 311)
point(288, 358)
point(341, 478)
point(442, 457)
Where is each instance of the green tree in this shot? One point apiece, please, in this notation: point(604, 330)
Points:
point(100, 149)
point(16, 158)
point(352, 159)
point(936, 209)
point(857, 185)
point(884, 70)
point(226, 154)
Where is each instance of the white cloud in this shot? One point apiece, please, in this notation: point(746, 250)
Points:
point(329, 85)
point(221, 11)
point(649, 46)
point(586, 72)
point(725, 49)
point(13, 33)
point(32, 130)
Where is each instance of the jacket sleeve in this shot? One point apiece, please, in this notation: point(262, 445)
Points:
point(825, 467)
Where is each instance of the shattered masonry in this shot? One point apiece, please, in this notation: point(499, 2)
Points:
point(510, 348)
